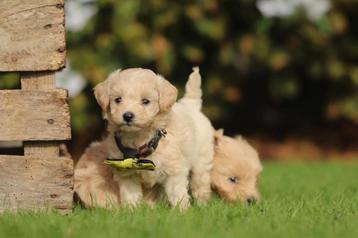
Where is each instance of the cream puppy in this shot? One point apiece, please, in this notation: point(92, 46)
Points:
point(137, 103)
point(203, 146)
point(236, 171)
point(93, 180)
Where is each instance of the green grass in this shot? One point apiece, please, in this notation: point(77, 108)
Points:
point(300, 199)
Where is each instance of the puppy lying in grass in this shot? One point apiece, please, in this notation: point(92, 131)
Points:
point(137, 104)
point(236, 171)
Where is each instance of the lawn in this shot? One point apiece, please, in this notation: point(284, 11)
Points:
point(300, 199)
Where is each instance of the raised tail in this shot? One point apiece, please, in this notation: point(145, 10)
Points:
point(193, 92)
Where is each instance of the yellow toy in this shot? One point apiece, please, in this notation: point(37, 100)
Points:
point(131, 163)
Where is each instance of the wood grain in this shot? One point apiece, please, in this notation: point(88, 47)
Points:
point(32, 35)
point(36, 184)
point(41, 148)
point(44, 81)
point(34, 115)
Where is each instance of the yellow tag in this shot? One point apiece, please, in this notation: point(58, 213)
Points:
point(131, 163)
point(121, 164)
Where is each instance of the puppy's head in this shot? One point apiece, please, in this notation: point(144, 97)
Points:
point(236, 170)
point(133, 98)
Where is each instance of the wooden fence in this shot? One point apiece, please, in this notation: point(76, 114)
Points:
point(32, 42)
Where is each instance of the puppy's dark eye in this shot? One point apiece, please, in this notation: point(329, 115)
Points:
point(145, 101)
point(118, 100)
point(234, 179)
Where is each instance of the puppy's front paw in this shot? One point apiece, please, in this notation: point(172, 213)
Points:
point(202, 196)
point(184, 204)
point(176, 189)
point(133, 202)
point(200, 187)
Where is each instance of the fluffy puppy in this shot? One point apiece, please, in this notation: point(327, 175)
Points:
point(203, 147)
point(93, 181)
point(236, 170)
point(137, 102)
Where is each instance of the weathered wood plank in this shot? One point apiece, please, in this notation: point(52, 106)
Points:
point(36, 184)
point(34, 115)
point(32, 35)
point(43, 80)
point(41, 148)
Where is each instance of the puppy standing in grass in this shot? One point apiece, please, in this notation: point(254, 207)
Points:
point(137, 103)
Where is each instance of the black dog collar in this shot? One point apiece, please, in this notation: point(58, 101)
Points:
point(144, 150)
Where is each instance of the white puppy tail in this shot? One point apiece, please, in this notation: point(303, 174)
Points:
point(193, 92)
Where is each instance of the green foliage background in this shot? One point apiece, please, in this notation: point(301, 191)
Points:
point(270, 75)
point(259, 73)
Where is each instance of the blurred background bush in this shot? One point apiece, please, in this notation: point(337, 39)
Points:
point(283, 73)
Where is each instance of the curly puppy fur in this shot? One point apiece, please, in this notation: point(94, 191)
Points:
point(94, 182)
point(188, 146)
point(236, 170)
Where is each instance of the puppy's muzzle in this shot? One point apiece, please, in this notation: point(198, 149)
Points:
point(128, 117)
point(251, 200)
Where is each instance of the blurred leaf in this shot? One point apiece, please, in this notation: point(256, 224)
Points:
point(193, 53)
point(227, 53)
point(354, 75)
point(282, 88)
point(262, 48)
point(232, 94)
point(246, 44)
point(166, 18)
point(214, 85)
point(339, 22)
point(195, 12)
point(335, 69)
point(279, 60)
point(212, 28)
point(213, 112)
point(78, 107)
point(324, 25)
point(347, 107)
point(263, 25)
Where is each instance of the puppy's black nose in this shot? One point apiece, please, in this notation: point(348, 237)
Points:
point(128, 116)
point(251, 200)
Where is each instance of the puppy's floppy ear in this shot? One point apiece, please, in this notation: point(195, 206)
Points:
point(167, 94)
point(101, 93)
